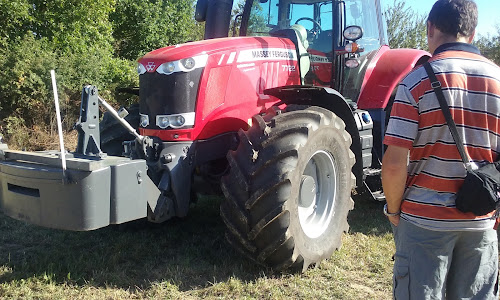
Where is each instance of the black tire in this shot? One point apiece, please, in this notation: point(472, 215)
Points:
point(267, 205)
point(113, 134)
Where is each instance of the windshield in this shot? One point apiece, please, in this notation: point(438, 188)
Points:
point(273, 15)
point(318, 17)
point(364, 13)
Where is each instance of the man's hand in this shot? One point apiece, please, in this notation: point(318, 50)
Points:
point(394, 220)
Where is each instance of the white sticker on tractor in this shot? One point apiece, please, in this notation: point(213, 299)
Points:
point(221, 59)
point(231, 58)
point(319, 59)
point(246, 65)
point(266, 54)
point(289, 68)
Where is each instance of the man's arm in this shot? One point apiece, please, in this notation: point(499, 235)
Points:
point(394, 173)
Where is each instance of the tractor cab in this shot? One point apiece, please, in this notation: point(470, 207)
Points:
point(333, 38)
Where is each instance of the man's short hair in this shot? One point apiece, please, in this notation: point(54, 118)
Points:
point(454, 17)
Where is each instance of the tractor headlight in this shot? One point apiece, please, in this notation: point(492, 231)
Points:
point(178, 121)
point(162, 121)
point(168, 68)
point(352, 63)
point(188, 63)
point(144, 120)
point(141, 69)
point(175, 121)
point(183, 65)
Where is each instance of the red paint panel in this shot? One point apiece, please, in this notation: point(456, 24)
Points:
point(232, 84)
point(213, 94)
point(384, 73)
point(168, 135)
point(321, 66)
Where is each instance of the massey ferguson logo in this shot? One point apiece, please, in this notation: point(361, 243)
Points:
point(266, 54)
point(272, 54)
point(150, 66)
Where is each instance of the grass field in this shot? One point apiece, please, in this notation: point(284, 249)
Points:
point(185, 259)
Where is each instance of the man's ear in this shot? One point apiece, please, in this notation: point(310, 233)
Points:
point(430, 29)
point(471, 37)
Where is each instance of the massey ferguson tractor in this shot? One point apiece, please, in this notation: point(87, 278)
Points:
point(286, 120)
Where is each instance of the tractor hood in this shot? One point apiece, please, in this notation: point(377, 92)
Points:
point(152, 60)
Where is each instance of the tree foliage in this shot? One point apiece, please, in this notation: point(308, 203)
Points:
point(489, 45)
point(72, 25)
point(257, 24)
point(141, 26)
point(87, 42)
point(405, 27)
point(14, 17)
point(71, 36)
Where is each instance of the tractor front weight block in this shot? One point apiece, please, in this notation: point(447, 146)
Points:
point(90, 194)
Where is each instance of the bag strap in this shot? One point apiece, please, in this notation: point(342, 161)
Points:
point(436, 86)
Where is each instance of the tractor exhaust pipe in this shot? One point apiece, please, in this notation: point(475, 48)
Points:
point(217, 16)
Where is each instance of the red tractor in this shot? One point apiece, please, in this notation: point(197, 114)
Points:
point(287, 120)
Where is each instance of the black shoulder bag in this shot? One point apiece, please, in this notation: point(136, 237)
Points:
point(480, 192)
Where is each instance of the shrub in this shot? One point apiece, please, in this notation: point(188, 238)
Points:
point(26, 96)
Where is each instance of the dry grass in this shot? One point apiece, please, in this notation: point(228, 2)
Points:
point(38, 139)
point(184, 259)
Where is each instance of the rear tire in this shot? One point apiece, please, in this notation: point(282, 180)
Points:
point(289, 187)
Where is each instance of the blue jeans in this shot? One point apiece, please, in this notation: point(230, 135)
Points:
point(444, 264)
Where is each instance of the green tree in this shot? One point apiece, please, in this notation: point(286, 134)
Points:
point(489, 45)
point(73, 24)
point(14, 18)
point(74, 37)
point(142, 26)
point(87, 42)
point(256, 24)
point(405, 27)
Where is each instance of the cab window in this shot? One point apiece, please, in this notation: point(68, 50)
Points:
point(364, 13)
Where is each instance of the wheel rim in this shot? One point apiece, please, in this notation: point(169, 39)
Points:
point(317, 194)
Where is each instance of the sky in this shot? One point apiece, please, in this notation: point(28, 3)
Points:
point(487, 9)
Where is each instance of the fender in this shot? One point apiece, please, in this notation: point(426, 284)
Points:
point(384, 73)
point(329, 99)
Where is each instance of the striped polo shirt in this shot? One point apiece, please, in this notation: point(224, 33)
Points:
point(471, 85)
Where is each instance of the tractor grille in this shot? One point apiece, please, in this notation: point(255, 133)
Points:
point(168, 94)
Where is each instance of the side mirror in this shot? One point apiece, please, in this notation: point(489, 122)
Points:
point(353, 33)
point(200, 13)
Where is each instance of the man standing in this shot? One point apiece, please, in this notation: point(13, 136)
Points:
point(440, 251)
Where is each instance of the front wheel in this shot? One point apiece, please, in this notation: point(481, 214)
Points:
point(289, 188)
